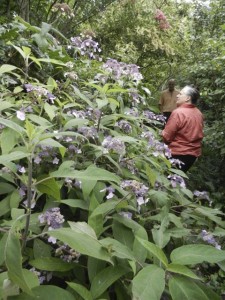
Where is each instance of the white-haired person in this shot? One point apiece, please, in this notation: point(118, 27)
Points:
point(183, 133)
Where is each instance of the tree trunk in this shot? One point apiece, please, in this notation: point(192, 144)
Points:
point(24, 9)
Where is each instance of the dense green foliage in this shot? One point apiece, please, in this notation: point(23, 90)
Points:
point(92, 206)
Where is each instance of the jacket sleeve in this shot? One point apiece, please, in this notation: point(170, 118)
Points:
point(171, 128)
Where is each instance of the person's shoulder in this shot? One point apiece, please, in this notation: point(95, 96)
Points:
point(164, 92)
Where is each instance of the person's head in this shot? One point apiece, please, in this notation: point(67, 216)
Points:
point(188, 94)
point(171, 85)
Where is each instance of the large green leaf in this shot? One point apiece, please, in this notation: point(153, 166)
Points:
point(13, 260)
point(183, 270)
point(8, 140)
point(105, 278)
point(51, 264)
point(45, 292)
point(12, 125)
point(51, 143)
point(117, 249)
point(92, 173)
point(149, 283)
point(75, 122)
point(75, 203)
point(49, 186)
point(6, 188)
point(184, 288)
point(39, 120)
point(196, 254)
point(83, 242)
point(154, 250)
point(6, 68)
point(41, 249)
point(105, 208)
point(81, 290)
point(4, 159)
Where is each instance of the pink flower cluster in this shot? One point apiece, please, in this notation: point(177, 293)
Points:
point(161, 19)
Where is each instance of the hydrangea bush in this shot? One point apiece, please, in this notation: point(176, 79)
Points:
point(92, 205)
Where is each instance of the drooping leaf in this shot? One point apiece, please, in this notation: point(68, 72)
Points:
point(6, 68)
point(184, 288)
point(149, 283)
point(41, 249)
point(81, 290)
point(105, 278)
point(196, 254)
point(75, 203)
point(51, 264)
point(75, 122)
point(14, 126)
point(46, 292)
point(183, 270)
point(16, 155)
point(117, 249)
point(92, 173)
point(14, 262)
point(81, 242)
point(155, 251)
point(49, 186)
point(9, 138)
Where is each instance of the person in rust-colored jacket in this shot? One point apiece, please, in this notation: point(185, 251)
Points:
point(184, 130)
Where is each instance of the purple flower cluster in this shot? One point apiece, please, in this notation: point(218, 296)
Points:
point(139, 189)
point(176, 162)
point(129, 164)
point(132, 112)
point(40, 92)
point(47, 153)
point(88, 132)
point(176, 180)
point(207, 237)
point(110, 192)
point(119, 70)
point(158, 148)
point(153, 117)
point(52, 217)
point(124, 126)
point(72, 183)
point(86, 46)
point(114, 144)
point(202, 195)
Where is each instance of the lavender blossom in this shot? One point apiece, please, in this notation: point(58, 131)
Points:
point(126, 214)
point(125, 126)
point(110, 190)
point(114, 144)
point(176, 180)
point(86, 46)
point(139, 189)
point(21, 115)
point(207, 237)
point(129, 164)
point(119, 70)
point(52, 217)
point(88, 132)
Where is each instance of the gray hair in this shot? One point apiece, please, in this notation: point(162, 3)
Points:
point(192, 92)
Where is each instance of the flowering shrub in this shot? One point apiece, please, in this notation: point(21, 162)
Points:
point(162, 20)
point(91, 202)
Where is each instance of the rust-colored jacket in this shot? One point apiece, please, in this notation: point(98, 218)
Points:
point(184, 131)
